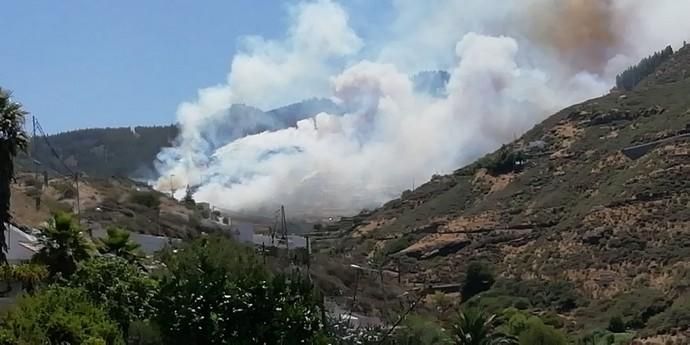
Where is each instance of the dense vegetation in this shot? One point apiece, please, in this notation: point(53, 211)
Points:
point(635, 74)
point(211, 291)
point(104, 151)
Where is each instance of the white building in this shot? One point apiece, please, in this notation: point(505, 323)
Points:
point(243, 232)
point(21, 246)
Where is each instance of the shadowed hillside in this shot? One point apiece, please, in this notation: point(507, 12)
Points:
point(131, 152)
point(570, 223)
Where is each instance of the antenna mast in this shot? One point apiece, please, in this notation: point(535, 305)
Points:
point(283, 225)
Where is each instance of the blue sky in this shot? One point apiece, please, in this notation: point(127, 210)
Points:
point(96, 63)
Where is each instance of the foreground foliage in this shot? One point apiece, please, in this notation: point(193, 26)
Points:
point(59, 315)
point(118, 243)
point(473, 327)
point(63, 246)
point(216, 292)
point(124, 291)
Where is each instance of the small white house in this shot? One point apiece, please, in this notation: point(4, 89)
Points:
point(21, 246)
point(243, 232)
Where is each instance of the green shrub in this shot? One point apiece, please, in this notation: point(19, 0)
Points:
point(616, 324)
point(398, 244)
point(516, 321)
point(124, 291)
point(502, 162)
point(65, 189)
point(489, 302)
point(560, 295)
point(479, 278)
point(418, 330)
point(59, 315)
point(601, 337)
point(217, 292)
point(537, 333)
point(676, 316)
point(144, 333)
point(634, 308)
point(521, 303)
point(149, 199)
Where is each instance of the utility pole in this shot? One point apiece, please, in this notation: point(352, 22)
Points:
point(354, 295)
point(308, 253)
point(284, 230)
point(76, 180)
point(32, 152)
point(263, 251)
point(172, 188)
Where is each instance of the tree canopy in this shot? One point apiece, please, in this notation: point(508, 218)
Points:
point(63, 246)
point(635, 74)
point(59, 315)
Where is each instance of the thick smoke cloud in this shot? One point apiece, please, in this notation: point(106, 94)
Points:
point(511, 64)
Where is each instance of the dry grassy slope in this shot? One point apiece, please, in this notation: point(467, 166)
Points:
point(104, 202)
point(580, 210)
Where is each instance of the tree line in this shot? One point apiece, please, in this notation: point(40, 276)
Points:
point(632, 76)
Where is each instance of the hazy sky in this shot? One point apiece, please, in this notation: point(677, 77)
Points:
point(93, 63)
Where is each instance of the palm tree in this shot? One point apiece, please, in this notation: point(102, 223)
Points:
point(12, 141)
point(118, 243)
point(63, 246)
point(473, 327)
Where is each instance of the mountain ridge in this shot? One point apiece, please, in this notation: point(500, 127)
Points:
point(132, 151)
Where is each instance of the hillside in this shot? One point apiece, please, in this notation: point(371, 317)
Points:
point(106, 202)
point(131, 152)
point(571, 225)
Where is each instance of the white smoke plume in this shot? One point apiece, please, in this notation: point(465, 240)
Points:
point(511, 64)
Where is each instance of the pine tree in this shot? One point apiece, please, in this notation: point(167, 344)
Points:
point(635, 74)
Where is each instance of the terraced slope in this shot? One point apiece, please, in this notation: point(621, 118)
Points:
point(562, 203)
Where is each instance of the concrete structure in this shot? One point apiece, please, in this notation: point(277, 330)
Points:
point(149, 244)
point(21, 246)
point(203, 206)
point(293, 241)
point(637, 151)
point(243, 232)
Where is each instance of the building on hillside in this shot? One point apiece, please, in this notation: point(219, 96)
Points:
point(21, 246)
point(291, 242)
point(243, 232)
point(148, 244)
point(203, 207)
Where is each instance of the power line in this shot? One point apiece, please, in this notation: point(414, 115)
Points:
point(52, 148)
point(71, 173)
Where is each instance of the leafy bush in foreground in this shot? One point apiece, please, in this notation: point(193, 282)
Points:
point(216, 292)
point(59, 315)
point(124, 291)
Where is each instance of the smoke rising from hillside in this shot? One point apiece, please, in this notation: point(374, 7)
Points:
point(511, 64)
